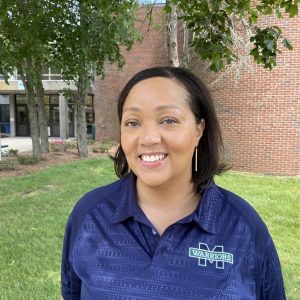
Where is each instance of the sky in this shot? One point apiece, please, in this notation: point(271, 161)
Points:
point(152, 1)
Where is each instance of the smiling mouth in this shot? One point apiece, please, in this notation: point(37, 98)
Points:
point(152, 158)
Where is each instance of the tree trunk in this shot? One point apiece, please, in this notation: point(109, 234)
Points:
point(172, 36)
point(186, 46)
point(82, 87)
point(81, 121)
point(43, 126)
point(32, 111)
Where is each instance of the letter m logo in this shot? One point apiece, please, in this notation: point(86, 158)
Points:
point(215, 255)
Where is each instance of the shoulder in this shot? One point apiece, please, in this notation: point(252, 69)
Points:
point(269, 284)
point(91, 199)
point(105, 197)
point(240, 209)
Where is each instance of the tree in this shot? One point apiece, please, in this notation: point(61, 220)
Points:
point(172, 34)
point(78, 37)
point(92, 34)
point(26, 31)
point(186, 46)
point(212, 25)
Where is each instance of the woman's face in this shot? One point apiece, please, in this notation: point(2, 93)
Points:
point(159, 133)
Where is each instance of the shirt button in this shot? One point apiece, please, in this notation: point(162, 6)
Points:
point(154, 231)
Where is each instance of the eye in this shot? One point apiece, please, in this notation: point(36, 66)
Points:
point(169, 121)
point(131, 123)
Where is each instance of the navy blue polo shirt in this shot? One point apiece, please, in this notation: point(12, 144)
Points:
point(221, 251)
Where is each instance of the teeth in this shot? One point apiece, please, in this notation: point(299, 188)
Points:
point(152, 158)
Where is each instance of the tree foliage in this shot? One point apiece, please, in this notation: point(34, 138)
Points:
point(91, 35)
point(26, 30)
point(212, 24)
point(77, 36)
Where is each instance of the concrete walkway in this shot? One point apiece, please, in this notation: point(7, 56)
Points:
point(22, 144)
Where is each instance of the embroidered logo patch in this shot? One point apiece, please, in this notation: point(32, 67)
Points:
point(216, 255)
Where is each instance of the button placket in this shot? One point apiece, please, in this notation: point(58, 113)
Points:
point(154, 231)
point(165, 243)
point(161, 248)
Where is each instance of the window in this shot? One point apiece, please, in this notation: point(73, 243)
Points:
point(89, 110)
point(52, 108)
point(21, 99)
point(51, 74)
point(4, 113)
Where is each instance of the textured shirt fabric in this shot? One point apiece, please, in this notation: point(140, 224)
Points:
point(221, 251)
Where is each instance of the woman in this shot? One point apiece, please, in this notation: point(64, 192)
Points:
point(165, 230)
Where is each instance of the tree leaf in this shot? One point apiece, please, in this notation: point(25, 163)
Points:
point(270, 45)
point(167, 9)
point(292, 9)
point(287, 44)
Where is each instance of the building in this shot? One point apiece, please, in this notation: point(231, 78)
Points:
point(151, 51)
point(60, 110)
point(259, 113)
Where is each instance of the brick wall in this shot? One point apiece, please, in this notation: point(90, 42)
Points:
point(259, 113)
point(152, 51)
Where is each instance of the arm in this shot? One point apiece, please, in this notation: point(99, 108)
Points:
point(272, 286)
point(70, 282)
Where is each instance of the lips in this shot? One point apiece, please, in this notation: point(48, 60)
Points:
point(152, 158)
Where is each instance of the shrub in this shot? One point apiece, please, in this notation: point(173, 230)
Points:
point(97, 149)
point(8, 164)
point(27, 160)
point(70, 144)
point(104, 146)
point(13, 152)
point(90, 141)
point(57, 145)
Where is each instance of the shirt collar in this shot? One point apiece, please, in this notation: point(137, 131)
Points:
point(127, 205)
point(209, 209)
point(206, 215)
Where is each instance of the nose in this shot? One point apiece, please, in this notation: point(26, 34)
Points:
point(149, 135)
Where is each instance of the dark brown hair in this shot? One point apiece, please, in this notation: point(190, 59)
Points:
point(210, 145)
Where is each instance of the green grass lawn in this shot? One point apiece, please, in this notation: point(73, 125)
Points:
point(34, 210)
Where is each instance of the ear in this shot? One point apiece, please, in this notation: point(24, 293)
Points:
point(200, 128)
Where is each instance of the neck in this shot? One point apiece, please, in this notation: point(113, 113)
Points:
point(165, 206)
point(173, 195)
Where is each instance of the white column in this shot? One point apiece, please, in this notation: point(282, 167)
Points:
point(12, 115)
point(63, 117)
point(75, 119)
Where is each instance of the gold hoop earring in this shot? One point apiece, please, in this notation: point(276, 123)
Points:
point(196, 159)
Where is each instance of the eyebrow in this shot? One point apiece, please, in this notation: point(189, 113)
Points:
point(158, 108)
